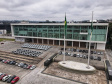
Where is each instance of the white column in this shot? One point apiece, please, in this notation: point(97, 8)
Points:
point(94, 45)
point(72, 43)
point(79, 44)
point(48, 41)
point(42, 41)
point(12, 31)
point(59, 42)
point(86, 45)
point(53, 42)
point(37, 40)
point(32, 40)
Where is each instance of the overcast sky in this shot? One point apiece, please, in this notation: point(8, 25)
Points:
point(54, 10)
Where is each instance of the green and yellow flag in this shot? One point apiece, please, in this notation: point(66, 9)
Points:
point(65, 25)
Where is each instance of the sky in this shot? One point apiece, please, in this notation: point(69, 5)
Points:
point(54, 10)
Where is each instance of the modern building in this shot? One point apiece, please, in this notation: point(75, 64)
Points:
point(78, 34)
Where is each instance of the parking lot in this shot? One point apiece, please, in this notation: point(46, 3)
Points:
point(6, 54)
point(35, 76)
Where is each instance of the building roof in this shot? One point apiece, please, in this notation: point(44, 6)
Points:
point(77, 24)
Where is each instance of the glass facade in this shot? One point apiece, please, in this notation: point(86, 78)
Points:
point(57, 31)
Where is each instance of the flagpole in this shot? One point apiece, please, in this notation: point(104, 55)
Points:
point(64, 38)
point(64, 49)
point(90, 44)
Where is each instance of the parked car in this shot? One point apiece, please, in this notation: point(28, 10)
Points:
point(1, 59)
point(12, 62)
point(6, 61)
point(28, 67)
point(99, 58)
point(5, 78)
point(74, 55)
point(94, 52)
point(81, 56)
point(2, 76)
point(95, 58)
point(21, 64)
point(84, 56)
point(15, 80)
point(25, 66)
point(32, 67)
point(11, 78)
point(60, 52)
point(101, 53)
point(91, 57)
point(78, 55)
point(98, 53)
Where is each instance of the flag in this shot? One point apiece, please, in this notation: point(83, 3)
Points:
point(65, 25)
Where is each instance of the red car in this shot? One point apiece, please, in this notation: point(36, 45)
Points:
point(2, 76)
point(6, 61)
point(15, 80)
point(29, 66)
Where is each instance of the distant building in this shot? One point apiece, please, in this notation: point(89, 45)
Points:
point(78, 34)
point(3, 31)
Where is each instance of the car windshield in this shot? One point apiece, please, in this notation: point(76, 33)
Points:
point(14, 79)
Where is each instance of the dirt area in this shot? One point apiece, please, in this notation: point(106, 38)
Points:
point(97, 77)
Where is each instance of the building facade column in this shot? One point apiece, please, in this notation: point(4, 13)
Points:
point(79, 44)
point(48, 41)
point(37, 40)
point(53, 42)
point(94, 45)
point(42, 41)
point(72, 43)
point(86, 45)
point(32, 40)
point(59, 42)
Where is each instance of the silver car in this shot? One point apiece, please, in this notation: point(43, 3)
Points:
point(5, 78)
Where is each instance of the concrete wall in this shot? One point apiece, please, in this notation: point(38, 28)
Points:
point(101, 46)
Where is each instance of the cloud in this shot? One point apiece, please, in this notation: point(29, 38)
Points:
point(54, 9)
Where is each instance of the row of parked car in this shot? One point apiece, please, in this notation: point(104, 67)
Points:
point(36, 46)
point(83, 51)
point(8, 78)
point(80, 56)
point(21, 64)
point(27, 52)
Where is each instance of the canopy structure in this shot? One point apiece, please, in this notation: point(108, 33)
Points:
point(76, 66)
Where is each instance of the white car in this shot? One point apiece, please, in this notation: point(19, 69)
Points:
point(5, 78)
point(32, 67)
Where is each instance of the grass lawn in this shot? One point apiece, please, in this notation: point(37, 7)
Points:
point(4, 39)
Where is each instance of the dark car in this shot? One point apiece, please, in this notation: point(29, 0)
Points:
point(86, 51)
point(80, 50)
point(1, 59)
point(99, 58)
point(25, 66)
point(12, 62)
point(91, 52)
point(11, 78)
point(91, 57)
